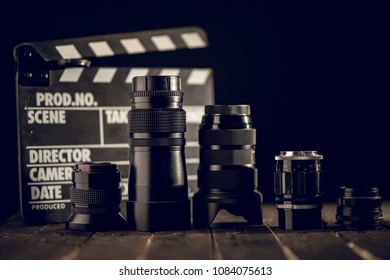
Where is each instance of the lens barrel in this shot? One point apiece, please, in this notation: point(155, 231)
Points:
point(95, 198)
point(359, 207)
point(298, 188)
point(227, 175)
point(158, 188)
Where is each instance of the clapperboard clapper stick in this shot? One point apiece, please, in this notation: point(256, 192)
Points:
point(71, 111)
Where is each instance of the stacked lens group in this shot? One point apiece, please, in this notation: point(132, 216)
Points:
point(227, 176)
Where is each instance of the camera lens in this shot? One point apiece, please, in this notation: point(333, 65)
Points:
point(227, 175)
point(359, 207)
point(158, 188)
point(95, 197)
point(298, 189)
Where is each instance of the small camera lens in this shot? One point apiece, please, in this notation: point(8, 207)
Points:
point(299, 189)
point(359, 207)
point(95, 197)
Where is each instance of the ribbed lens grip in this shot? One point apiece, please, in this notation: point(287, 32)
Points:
point(157, 121)
point(96, 197)
point(298, 183)
point(156, 93)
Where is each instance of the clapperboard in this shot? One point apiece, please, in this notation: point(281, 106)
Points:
point(71, 111)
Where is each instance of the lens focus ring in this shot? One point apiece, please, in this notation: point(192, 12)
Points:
point(96, 196)
point(157, 121)
point(156, 93)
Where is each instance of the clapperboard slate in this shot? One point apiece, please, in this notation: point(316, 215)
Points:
point(70, 111)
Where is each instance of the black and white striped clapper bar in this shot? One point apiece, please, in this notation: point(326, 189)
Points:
point(72, 110)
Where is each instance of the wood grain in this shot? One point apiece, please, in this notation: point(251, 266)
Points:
point(187, 245)
point(46, 242)
point(230, 237)
point(122, 245)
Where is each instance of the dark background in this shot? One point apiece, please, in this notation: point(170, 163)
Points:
point(315, 74)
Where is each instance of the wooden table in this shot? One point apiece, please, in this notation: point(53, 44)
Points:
point(229, 238)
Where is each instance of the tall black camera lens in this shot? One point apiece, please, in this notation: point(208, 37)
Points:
point(227, 175)
point(95, 197)
point(158, 188)
point(299, 189)
point(359, 207)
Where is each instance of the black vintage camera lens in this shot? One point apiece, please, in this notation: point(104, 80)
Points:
point(359, 207)
point(227, 175)
point(95, 197)
point(299, 189)
point(158, 188)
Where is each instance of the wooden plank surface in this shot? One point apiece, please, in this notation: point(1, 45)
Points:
point(121, 245)
point(371, 244)
point(368, 244)
point(316, 245)
point(236, 239)
point(313, 244)
point(13, 235)
point(247, 243)
point(19, 241)
point(187, 245)
point(55, 242)
point(230, 237)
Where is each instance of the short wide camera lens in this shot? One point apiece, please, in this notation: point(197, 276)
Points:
point(359, 207)
point(95, 198)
